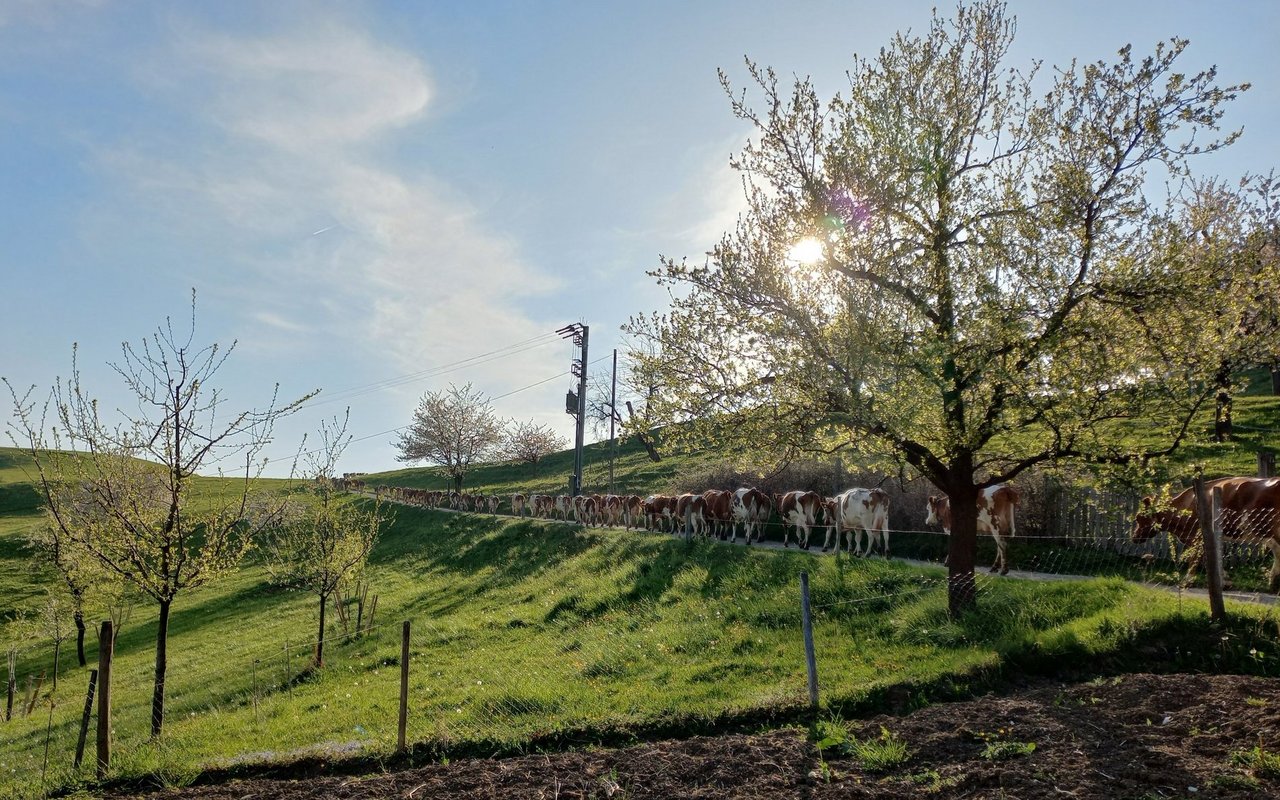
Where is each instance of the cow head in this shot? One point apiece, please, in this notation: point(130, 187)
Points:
point(1144, 524)
point(936, 505)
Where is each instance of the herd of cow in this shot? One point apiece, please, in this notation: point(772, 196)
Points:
point(860, 516)
point(1250, 512)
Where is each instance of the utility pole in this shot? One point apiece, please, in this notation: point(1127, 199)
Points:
point(577, 405)
point(613, 418)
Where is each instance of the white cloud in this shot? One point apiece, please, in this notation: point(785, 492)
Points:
point(286, 134)
point(714, 198)
point(324, 86)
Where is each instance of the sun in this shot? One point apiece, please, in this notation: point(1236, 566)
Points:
point(807, 251)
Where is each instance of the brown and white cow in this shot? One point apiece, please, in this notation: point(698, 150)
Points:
point(996, 510)
point(517, 504)
point(544, 505)
point(632, 511)
point(1250, 512)
point(563, 506)
point(493, 501)
point(798, 510)
point(858, 511)
point(717, 511)
point(752, 508)
point(660, 512)
point(611, 509)
point(689, 513)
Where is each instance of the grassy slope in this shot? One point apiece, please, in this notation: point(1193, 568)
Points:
point(530, 630)
point(634, 473)
point(524, 628)
point(1256, 417)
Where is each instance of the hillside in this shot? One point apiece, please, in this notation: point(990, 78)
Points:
point(1256, 417)
point(537, 634)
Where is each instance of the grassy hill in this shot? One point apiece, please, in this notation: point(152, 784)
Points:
point(1257, 427)
point(529, 633)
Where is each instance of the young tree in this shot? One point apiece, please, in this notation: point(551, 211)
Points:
point(125, 492)
point(454, 428)
point(76, 568)
point(529, 442)
point(951, 268)
point(326, 539)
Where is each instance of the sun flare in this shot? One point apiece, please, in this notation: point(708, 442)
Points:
point(806, 251)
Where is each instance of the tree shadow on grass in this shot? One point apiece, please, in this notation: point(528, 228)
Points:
point(512, 550)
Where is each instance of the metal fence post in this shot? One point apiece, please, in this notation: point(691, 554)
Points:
point(806, 620)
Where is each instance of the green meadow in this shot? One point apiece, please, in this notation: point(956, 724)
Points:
point(529, 634)
point(533, 634)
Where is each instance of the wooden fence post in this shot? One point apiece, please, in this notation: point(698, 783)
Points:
point(403, 722)
point(1211, 528)
point(806, 622)
point(1266, 464)
point(106, 646)
point(84, 719)
point(12, 683)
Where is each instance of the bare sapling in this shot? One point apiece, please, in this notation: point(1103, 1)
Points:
point(122, 486)
point(327, 536)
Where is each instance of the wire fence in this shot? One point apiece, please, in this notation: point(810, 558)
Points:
point(492, 683)
point(1075, 532)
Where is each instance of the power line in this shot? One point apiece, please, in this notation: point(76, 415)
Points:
point(498, 397)
point(517, 348)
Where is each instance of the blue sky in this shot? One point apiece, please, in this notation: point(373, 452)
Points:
point(364, 191)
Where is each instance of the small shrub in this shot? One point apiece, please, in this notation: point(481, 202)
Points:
point(1259, 762)
point(1003, 751)
point(998, 748)
point(931, 781)
point(1233, 780)
point(882, 753)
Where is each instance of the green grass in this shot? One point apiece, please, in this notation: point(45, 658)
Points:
point(533, 633)
point(530, 633)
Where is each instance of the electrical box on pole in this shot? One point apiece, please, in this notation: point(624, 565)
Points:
point(579, 334)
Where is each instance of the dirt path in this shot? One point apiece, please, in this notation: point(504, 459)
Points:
point(1136, 736)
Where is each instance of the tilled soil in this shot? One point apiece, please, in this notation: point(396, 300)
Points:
point(1136, 736)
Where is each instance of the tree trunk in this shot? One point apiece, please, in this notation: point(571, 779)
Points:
point(162, 663)
point(79, 617)
point(1222, 418)
point(319, 659)
point(644, 440)
point(1275, 379)
point(962, 589)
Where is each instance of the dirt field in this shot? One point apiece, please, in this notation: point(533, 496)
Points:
point(1138, 736)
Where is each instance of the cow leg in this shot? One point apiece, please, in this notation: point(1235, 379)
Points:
point(884, 539)
point(1002, 559)
point(1273, 576)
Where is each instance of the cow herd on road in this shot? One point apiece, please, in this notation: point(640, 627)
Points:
point(856, 519)
point(1250, 512)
